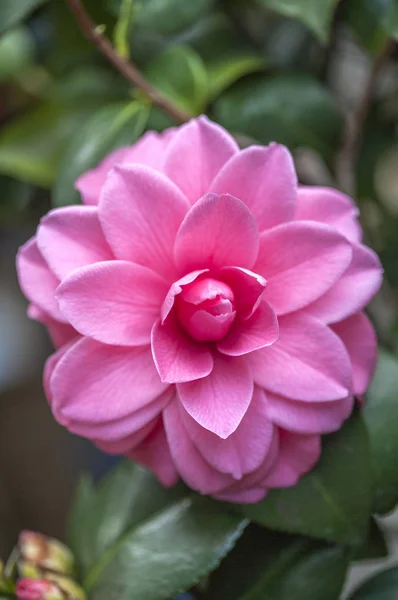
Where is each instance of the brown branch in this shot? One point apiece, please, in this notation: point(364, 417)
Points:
point(347, 160)
point(125, 67)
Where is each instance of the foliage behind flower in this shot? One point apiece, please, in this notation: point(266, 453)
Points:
point(208, 311)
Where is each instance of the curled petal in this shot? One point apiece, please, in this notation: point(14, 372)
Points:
point(248, 288)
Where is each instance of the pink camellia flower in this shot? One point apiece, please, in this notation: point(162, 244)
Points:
point(37, 589)
point(208, 311)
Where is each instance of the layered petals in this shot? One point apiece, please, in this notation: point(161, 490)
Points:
point(218, 231)
point(113, 302)
point(301, 261)
point(298, 454)
point(196, 154)
point(219, 401)
point(140, 213)
point(265, 180)
point(309, 362)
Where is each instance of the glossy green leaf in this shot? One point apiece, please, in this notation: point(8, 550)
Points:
point(109, 128)
point(315, 14)
point(270, 566)
point(381, 417)
point(181, 76)
point(373, 22)
point(383, 586)
point(140, 541)
point(374, 546)
point(13, 11)
point(295, 110)
point(16, 52)
point(333, 502)
point(170, 16)
point(31, 146)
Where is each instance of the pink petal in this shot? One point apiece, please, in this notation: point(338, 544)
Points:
point(218, 231)
point(259, 331)
point(248, 288)
point(298, 454)
point(71, 237)
point(196, 154)
point(265, 180)
point(301, 261)
point(96, 383)
point(37, 282)
point(60, 333)
point(329, 206)
point(49, 367)
point(154, 453)
point(140, 212)
point(308, 417)
point(308, 362)
point(150, 150)
point(245, 449)
point(359, 284)
point(360, 340)
point(115, 302)
point(127, 443)
point(249, 496)
point(195, 471)
point(219, 401)
point(177, 356)
point(176, 289)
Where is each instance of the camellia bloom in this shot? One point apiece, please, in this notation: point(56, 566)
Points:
point(208, 311)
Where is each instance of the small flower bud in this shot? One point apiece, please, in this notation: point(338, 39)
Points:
point(45, 552)
point(38, 589)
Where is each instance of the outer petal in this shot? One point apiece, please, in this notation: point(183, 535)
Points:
point(49, 367)
point(259, 331)
point(154, 453)
point(329, 206)
point(298, 454)
point(245, 449)
point(191, 465)
point(71, 237)
point(219, 401)
point(176, 355)
point(306, 417)
point(60, 333)
point(196, 154)
point(249, 496)
point(140, 212)
point(360, 340)
point(360, 282)
point(301, 261)
point(96, 383)
point(265, 180)
point(125, 444)
point(218, 231)
point(308, 362)
point(37, 282)
point(115, 302)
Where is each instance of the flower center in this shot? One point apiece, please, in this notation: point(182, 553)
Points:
point(206, 309)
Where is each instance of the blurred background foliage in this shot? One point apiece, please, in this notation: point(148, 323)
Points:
point(320, 76)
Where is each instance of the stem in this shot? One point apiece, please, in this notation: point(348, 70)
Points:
point(125, 67)
point(347, 159)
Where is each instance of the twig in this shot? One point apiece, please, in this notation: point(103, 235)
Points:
point(347, 159)
point(125, 67)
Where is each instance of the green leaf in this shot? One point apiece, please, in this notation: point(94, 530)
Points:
point(32, 145)
point(381, 417)
point(317, 15)
point(295, 110)
point(107, 129)
point(84, 499)
point(333, 502)
point(13, 11)
point(123, 26)
point(16, 52)
point(269, 566)
point(170, 16)
point(373, 22)
point(374, 546)
point(383, 586)
point(181, 76)
point(140, 541)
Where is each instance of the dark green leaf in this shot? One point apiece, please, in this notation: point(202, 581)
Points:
point(139, 541)
point(16, 52)
point(12, 11)
point(32, 145)
point(270, 566)
point(315, 14)
point(170, 16)
point(83, 500)
point(374, 546)
point(109, 128)
point(373, 22)
point(295, 110)
point(333, 502)
point(180, 75)
point(383, 586)
point(381, 417)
